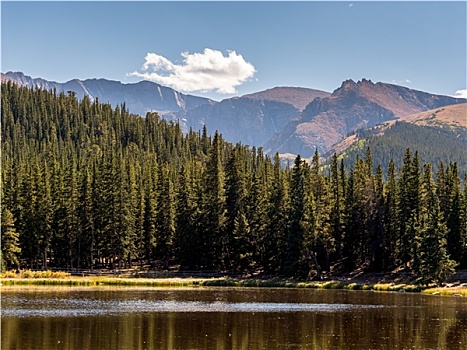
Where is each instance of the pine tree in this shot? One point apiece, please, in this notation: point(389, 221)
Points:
point(9, 242)
point(43, 211)
point(274, 241)
point(357, 234)
point(376, 224)
point(165, 225)
point(452, 213)
point(150, 174)
point(409, 207)
point(71, 234)
point(432, 263)
point(26, 224)
point(337, 208)
point(256, 216)
point(132, 212)
point(301, 235)
point(186, 242)
point(139, 222)
point(324, 243)
point(213, 207)
point(350, 242)
point(235, 204)
point(390, 220)
point(463, 226)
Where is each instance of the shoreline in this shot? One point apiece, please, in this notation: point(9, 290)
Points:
point(455, 289)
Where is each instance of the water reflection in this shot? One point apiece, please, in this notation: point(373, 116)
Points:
point(231, 319)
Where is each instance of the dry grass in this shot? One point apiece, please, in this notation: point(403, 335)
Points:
point(50, 278)
point(34, 274)
point(453, 115)
point(457, 291)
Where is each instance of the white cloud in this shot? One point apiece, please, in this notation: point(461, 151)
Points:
point(207, 71)
point(408, 81)
point(461, 93)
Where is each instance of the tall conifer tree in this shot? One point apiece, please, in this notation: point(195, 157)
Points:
point(432, 263)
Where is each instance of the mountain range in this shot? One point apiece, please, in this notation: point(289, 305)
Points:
point(287, 120)
point(139, 98)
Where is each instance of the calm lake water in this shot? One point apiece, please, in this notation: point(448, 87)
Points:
point(225, 318)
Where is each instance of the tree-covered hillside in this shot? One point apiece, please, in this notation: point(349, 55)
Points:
point(434, 144)
point(89, 185)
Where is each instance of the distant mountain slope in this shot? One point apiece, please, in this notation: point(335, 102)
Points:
point(252, 119)
point(351, 107)
point(245, 120)
point(438, 135)
point(296, 96)
point(453, 116)
point(139, 97)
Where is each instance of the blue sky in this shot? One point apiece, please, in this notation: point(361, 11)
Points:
point(221, 49)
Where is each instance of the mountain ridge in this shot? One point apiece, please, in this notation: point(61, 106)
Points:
point(353, 106)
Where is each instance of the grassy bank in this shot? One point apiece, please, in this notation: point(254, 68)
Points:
point(456, 291)
point(197, 282)
point(103, 281)
point(49, 278)
point(278, 283)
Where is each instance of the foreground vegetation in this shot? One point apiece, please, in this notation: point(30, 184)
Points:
point(88, 185)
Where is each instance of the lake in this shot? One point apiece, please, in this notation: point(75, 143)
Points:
point(228, 318)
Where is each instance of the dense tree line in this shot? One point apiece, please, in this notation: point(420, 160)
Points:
point(88, 185)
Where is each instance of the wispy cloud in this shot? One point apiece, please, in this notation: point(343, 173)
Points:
point(206, 71)
point(461, 93)
point(399, 82)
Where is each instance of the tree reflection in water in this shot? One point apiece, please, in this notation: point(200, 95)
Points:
point(230, 319)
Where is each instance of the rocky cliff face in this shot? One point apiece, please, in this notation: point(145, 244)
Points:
point(352, 106)
point(249, 121)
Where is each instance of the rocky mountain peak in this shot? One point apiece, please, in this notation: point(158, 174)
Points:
point(347, 84)
point(350, 85)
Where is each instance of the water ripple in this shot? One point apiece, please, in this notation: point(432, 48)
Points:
point(88, 307)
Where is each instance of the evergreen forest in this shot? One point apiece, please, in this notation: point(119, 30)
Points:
point(390, 142)
point(88, 185)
